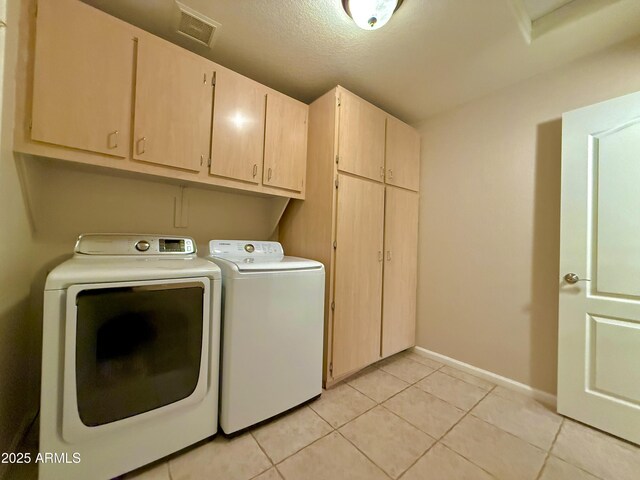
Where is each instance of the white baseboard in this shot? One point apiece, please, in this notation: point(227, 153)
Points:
point(538, 395)
point(21, 432)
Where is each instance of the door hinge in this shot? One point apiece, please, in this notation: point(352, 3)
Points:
point(333, 305)
point(335, 244)
point(339, 100)
point(30, 124)
point(213, 79)
point(337, 183)
point(331, 369)
point(209, 162)
point(337, 158)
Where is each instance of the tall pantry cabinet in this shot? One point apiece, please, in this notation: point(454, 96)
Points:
point(360, 219)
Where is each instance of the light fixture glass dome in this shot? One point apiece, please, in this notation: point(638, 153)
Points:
point(370, 14)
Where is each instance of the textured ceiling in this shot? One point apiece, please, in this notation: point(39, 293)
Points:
point(431, 56)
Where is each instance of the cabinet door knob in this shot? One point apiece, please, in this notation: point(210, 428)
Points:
point(381, 172)
point(390, 174)
point(112, 139)
point(142, 145)
point(255, 169)
point(380, 256)
point(269, 174)
point(388, 255)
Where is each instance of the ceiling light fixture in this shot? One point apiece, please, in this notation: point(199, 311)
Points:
point(370, 14)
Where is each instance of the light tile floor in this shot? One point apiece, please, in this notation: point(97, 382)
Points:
point(411, 418)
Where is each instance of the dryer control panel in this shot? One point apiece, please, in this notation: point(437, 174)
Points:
point(134, 244)
point(245, 248)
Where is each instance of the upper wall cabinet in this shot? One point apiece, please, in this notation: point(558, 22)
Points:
point(402, 155)
point(95, 90)
point(285, 145)
point(361, 137)
point(83, 76)
point(238, 127)
point(173, 106)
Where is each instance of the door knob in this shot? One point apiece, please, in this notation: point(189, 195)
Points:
point(572, 278)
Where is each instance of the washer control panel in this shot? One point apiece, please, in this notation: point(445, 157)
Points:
point(245, 248)
point(134, 244)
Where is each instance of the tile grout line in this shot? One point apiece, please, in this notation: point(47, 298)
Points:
point(357, 416)
point(564, 420)
point(169, 469)
point(438, 440)
point(364, 454)
point(336, 429)
point(261, 448)
point(546, 458)
point(458, 422)
point(468, 383)
point(433, 370)
point(376, 401)
point(380, 404)
point(303, 448)
point(472, 463)
point(467, 413)
point(399, 391)
point(444, 373)
point(280, 475)
point(417, 459)
point(513, 434)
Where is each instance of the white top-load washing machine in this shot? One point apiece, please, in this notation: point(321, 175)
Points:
point(272, 331)
point(131, 336)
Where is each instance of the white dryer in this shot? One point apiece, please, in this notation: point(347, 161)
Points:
point(131, 335)
point(272, 331)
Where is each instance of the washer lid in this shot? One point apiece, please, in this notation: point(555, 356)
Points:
point(272, 264)
point(257, 256)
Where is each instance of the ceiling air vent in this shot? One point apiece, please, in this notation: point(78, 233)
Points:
point(196, 26)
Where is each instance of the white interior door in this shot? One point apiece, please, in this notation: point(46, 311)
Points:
point(599, 334)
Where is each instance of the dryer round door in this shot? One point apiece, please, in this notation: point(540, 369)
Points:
point(133, 350)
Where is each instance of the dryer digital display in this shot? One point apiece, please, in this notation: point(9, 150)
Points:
point(171, 245)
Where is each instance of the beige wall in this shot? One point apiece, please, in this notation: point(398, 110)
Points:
point(15, 254)
point(489, 218)
point(66, 200)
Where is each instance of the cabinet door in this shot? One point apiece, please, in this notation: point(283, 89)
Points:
point(400, 270)
point(173, 106)
point(238, 127)
point(403, 155)
point(285, 143)
point(83, 79)
point(361, 137)
point(358, 274)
